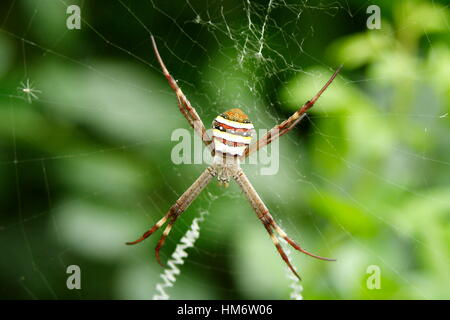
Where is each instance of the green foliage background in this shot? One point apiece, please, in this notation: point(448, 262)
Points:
point(86, 167)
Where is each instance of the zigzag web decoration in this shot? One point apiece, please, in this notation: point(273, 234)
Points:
point(297, 288)
point(169, 275)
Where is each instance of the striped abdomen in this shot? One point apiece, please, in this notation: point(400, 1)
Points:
point(232, 133)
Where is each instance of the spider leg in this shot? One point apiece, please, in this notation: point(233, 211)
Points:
point(33, 95)
point(177, 209)
point(289, 123)
point(294, 244)
point(163, 238)
point(266, 218)
point(155, 227)
point(185, 106)
point(283, 255)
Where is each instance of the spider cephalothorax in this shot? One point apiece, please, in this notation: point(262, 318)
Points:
point(231, 142)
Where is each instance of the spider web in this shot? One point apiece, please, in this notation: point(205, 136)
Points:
point(364, 178)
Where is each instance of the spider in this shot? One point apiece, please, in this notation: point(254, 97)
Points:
point(230, 143)
point(29, 91)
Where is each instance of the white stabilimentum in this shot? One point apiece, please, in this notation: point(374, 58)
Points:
point(296, 293)
point(169, 275)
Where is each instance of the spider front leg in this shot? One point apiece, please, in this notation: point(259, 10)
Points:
point(269, 223)
point(289, 123)
point(177, 209)
point(185, 106)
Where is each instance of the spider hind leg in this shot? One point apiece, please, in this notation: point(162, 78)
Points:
point(173, 215)
point(283, 255)
point(177, 209)
point(155, 227)
point(163, 238)
point(295, 245)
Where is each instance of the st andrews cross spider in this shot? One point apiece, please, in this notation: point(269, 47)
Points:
point(230, 144)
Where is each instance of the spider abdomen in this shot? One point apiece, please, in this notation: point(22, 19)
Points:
point(232, 133)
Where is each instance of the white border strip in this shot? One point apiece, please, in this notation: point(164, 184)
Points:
point(234, 124)
point(231, 137)
point(221, 147)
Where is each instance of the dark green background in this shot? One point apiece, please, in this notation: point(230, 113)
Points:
point(87, 166)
